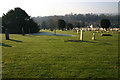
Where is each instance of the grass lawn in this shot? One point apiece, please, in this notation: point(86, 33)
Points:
point(34, 56)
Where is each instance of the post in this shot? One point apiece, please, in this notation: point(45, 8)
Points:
point(23, 31)
point(55, 30)
point(81, 35)
point(6, 34)
point(93, 38)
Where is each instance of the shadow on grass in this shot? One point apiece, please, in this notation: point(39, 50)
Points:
point(2, 44)
point(100, 41)
point(107, 43)
point(79, 41)
point(86, 41)
point(15, 40)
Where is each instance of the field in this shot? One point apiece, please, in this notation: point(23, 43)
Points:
point(38, 56)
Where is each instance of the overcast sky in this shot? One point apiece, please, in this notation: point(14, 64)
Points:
point(60, 7)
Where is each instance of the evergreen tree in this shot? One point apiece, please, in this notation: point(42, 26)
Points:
point(69, 26)
point(17, 21)
point(105, 23)
point(61, 24)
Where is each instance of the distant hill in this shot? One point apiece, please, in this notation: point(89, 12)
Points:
point(78, 19)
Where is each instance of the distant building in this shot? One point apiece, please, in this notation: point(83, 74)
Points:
point(91, 26)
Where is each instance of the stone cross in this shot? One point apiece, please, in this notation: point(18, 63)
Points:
point(81, 35)
point(77, 31)
point(93, 38)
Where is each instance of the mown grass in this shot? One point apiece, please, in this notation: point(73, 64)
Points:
point(50, 57)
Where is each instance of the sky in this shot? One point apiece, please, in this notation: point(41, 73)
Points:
point(60, 7)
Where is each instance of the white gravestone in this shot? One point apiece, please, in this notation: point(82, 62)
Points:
point(81, 35)
point(93, 38)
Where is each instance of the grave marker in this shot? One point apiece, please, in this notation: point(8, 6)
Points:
point(93, 38)
point(81, 35)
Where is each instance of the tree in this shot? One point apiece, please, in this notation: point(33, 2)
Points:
point(17, 21)
point(61, 24)
point(43, 25)
point(105, 23)
point(51, 24)
point(69, 26)
point(82, 24)
point(77, 24)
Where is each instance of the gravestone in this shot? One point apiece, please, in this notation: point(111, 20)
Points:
point(93, 38)
point(81, 35)
point(108, 31)
point(77, 31)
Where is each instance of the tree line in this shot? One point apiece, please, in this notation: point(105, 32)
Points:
point(76, 20)
point(18, 21)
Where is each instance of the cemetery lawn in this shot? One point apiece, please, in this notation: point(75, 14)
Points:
point(38, 56)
